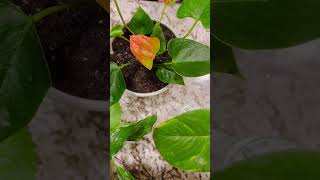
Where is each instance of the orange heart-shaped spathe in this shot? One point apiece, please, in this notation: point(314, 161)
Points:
point(145, 49)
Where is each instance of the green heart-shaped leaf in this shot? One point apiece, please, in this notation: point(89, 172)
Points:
point(199, 10)
point(141, 23)
point(266, 24)
point(24, 76)
point(117, 84)
point(132, 132)
point(184, 141)
point(17, 157)
point(157, 32)
point(190, 58)
point(168, 75)
point(275, 166)
point(115, 116)
point(116, 31)
point(223, 59)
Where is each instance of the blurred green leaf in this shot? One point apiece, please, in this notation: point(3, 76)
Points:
point(223, 59)
point(17, 157)
point(266, 24)
point(24, 75)
point(291, 165)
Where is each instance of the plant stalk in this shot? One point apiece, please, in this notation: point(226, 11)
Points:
point(50, 10)
point(124, 38)
point(124, 65)
point(121, 17)
point(162, 13)
point(191, 29)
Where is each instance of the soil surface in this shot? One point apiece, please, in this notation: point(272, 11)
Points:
point(76, 47)
point(138, 78)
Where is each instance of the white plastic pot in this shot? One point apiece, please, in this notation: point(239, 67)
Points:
point(78, 102)
point(147, 94)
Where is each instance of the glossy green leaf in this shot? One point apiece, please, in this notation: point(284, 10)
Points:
point(131, 132)
point(142, 128)
point(266, 24)
point(115, 116)
point(168, 75)
point(190, 58)
point(157, 32)
point(184, 141)
point(24, 76)
point(275, 166)
point(123, 174)
point(223, 59)
point(141, 23)
point(17, 157)
point(116, 31)
point(117, 84)
point(199, 10)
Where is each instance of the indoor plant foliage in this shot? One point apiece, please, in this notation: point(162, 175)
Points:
point(147, 41)
point(183, 140)
point(189, 150)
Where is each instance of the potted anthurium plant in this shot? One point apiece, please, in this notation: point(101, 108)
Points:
point(147, 55)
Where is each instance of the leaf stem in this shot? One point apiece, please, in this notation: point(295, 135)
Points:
point(125, 38)
point(162, 13)
point(191, 29)
point(121, 17)
point(124, 65)
point(50, 10)
point(163, 64)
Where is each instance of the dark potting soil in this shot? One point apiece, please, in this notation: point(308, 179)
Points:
point(138, 78)
point(76, 47)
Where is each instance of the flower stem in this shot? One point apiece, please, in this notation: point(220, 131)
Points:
point(120, 14)
point(162, 13)
point(124, 38)
point(124, 65)
point(191, 29)
point(48, 11)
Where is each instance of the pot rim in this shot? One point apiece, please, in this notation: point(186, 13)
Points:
point(79, 102)
point(160, 91)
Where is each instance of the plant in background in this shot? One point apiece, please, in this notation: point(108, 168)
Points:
point(147, 40)
point(24, 82)
point(183, 141)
